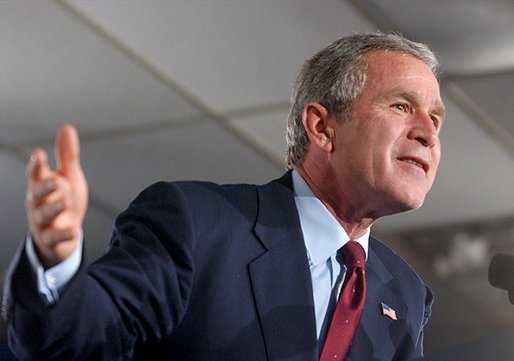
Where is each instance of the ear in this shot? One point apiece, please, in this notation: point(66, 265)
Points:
point(319, 126)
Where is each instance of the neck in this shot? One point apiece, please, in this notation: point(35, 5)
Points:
point(350, 217)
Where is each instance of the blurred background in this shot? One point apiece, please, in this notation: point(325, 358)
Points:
point(169, 90)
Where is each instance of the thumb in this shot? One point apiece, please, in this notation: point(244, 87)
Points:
point(67, 150)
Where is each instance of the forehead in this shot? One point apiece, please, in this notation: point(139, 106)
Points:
point(385, 64)
point(393, 71)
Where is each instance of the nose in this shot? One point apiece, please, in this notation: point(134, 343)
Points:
point(424, 130)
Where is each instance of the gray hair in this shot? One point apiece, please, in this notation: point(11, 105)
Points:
point(336, 75)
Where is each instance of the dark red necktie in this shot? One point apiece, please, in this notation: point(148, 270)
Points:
point(349, 306)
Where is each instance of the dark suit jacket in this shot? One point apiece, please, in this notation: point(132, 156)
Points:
point(198, 271)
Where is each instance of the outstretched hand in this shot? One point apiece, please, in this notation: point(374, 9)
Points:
point(56, 200)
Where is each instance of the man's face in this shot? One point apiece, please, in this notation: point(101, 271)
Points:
point(389, 149)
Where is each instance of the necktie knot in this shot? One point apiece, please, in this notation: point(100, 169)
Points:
point(353, 255)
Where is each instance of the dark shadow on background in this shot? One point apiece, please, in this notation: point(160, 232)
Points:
point(498, 346)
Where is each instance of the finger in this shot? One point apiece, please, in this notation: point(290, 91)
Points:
point(67, 149)
point(50, 237)
point(46, 214)
point(38, 167)
point(40, 190)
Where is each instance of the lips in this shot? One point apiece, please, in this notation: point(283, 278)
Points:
point(416, 161)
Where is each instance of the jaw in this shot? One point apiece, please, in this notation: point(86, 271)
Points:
point(403, 187)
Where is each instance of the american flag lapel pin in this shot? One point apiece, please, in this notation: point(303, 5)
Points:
point(389, 312)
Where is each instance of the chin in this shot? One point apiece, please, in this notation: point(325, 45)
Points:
point(409, 202)
point(411, 194)
point(413, 204)
point(402, 198)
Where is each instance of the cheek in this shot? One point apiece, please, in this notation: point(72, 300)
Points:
point(436, 157)
point(385, 149)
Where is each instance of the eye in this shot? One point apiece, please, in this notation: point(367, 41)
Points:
point(436, 121)
point(401, 107)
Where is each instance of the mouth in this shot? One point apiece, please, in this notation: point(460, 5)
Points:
point(417, 162)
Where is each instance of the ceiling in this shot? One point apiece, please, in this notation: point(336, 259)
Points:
point(168, 90)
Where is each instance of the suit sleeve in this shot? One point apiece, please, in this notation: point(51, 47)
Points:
point(130, 298)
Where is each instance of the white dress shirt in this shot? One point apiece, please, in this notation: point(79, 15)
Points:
point(49, 282)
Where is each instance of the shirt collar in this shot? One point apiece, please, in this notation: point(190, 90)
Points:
point(322, 233)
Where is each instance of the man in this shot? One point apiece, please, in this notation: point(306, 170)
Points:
point(198, 271)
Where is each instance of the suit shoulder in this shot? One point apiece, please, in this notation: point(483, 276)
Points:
point(192, 190)
point(195, 189)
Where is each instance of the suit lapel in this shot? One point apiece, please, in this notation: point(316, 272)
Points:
point(377, 276)
point(380, 291)
point(280, 277)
